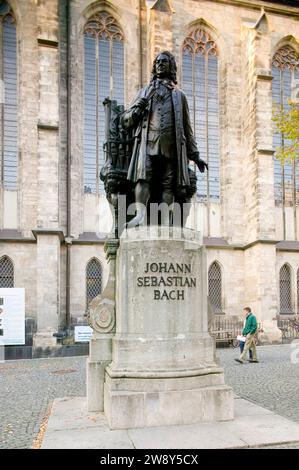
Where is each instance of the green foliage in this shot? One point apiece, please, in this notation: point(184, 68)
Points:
point(287, 124)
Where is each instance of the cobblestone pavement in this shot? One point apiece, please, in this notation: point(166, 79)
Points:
point(28, 387)
point(272, 383)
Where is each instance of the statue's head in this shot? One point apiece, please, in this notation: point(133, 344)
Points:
point(164, 66)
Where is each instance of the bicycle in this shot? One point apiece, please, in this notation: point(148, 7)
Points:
point(294, 324)
point(236, 342)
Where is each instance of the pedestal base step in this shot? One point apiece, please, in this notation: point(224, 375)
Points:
point(71, 427)
point(138, 409)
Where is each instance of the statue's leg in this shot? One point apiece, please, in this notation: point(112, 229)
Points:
point(142, 194)
point(167, 189)
point(167, 196)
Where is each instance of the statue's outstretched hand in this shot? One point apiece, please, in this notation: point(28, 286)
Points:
point(201, 165)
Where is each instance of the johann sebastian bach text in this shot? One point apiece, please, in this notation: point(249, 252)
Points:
point(165, 277)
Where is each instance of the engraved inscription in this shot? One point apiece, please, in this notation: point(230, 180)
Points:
point(179, 275)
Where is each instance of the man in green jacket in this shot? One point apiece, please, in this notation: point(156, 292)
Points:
point(249, 331)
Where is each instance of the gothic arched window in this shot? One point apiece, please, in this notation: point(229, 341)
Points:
point(285, 71)
point(6, 272)
point(103, 78)
point(93, 280)
point(285, 290)
point(8, 98)
point(215, 287)
point(200, 83)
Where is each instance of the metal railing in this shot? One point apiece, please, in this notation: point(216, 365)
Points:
point(226, 328)
point(289, 326)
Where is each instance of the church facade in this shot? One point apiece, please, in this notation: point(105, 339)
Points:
point(60, 59)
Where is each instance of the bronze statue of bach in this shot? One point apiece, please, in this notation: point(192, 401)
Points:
point(164, 141)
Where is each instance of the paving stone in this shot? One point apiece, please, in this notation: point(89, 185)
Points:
point(28, 387)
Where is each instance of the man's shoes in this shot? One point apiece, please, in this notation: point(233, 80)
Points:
point(253, 360)
point(239, 360)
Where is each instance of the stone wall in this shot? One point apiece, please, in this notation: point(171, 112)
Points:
point(81, 254)
point(23, 256)
point(292, 259)
point(234, 297)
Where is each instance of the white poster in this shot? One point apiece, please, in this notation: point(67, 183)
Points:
point(83, 334)
point(12, 316)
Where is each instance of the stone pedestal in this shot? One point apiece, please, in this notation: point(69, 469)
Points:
point(102, 320)
point(163, 370)
point(99, 358)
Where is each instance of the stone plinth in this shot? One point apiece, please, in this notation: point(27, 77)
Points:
point(102, 320)
point(163, 370)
